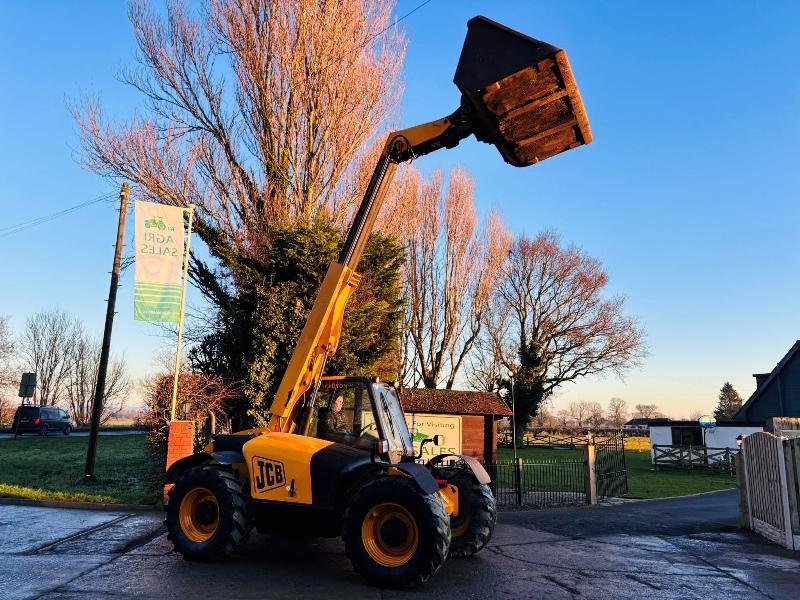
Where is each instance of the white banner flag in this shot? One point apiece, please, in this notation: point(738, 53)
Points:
point(159, 262)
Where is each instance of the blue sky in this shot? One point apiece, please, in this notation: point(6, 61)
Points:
point(688, 194)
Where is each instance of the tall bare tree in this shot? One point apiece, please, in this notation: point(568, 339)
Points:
point(617, 412)
point(562, 326)
point(46, 346)
point(265, 114)
point(259, 110)
point(451, 268)
point(84, 363)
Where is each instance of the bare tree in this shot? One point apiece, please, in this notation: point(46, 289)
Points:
point(596, 417)
point(6, 355)
point(84, 363)
point(617, 412)
point(451, 269)
point(695, 415)
point(259, 110)
point(46, 346)
point(6, 411)
point(564, 419)
point(545, 417)
point(200, 397)
point(579, 413)
point(647, 411)
point(563, 328)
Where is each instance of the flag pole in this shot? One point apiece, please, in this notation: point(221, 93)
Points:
point(190, 208)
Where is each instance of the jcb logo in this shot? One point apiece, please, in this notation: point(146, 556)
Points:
point(267, 474)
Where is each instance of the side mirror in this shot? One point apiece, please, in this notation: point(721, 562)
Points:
point(436, 440)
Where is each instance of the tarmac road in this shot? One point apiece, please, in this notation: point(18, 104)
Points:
point(678, 548)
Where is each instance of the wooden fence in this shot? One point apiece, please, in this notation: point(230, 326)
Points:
point(569, 438)
point(770, 485)
point(690, 458)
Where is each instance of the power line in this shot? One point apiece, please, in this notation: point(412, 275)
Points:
point(12, 229)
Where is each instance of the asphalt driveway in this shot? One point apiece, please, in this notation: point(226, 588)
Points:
point(675, 548)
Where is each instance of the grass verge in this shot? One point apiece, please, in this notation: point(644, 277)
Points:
point(643, 481)
point(51, 468)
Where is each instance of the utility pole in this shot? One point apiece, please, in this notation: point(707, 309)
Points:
point(100, 389)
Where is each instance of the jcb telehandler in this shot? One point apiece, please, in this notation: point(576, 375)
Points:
point(399, 519)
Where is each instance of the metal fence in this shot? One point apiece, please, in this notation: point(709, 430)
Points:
point(539, 483)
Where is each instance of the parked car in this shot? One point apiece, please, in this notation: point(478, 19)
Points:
point(41, 420)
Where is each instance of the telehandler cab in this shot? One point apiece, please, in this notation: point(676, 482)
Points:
point(399, 519)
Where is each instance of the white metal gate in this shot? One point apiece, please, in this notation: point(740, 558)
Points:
point(767, 488)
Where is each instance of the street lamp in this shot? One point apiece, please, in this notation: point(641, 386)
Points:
point(513, 416)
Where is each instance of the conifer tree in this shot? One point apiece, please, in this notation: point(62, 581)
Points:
point(729, 403)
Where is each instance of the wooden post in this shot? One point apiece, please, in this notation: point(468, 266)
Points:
point(591, 473)
point(741, 490)
point(105, 349)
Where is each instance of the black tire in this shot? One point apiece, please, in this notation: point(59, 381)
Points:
point(477, 514)
point(233, 521)
point(43, 430)
point(67, 430)
point(430, 529)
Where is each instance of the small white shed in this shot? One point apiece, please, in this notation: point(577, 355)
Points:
point(689, 433)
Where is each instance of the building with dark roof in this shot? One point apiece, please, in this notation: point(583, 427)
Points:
point(777, 392)
point(476, 412)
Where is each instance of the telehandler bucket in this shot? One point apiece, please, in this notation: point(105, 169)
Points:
point(522, 94)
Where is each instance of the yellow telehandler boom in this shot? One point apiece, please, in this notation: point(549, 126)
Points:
point(517, 93)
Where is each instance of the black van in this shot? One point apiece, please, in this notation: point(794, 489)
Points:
point(41, 420)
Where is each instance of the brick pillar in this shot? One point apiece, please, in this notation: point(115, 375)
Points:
point(180, 443)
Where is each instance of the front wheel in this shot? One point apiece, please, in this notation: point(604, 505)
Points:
point(207, 516)
point(67, 430)
point(395, 534)
point(477, 514)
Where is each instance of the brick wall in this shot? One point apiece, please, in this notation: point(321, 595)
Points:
point(472, 443)
point(180, 443)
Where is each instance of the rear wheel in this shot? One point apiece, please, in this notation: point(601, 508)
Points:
point(207, 516)
point(394, 534)
point(43, 430)
point(477, 514)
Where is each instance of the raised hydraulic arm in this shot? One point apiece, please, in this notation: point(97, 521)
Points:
point(291, 408)
point(517, 93)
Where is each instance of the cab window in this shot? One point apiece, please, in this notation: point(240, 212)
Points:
point(344, 414)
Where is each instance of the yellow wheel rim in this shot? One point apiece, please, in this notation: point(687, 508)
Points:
point(459, 524)
point(390, 534)
point(199, 515)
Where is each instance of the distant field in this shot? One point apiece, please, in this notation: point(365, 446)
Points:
point(643, 481)
point(52, 468)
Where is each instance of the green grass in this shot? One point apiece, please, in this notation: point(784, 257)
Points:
point(52, 468)
point(643, 480)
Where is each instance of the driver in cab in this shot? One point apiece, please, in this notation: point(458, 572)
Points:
point(335, 421)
